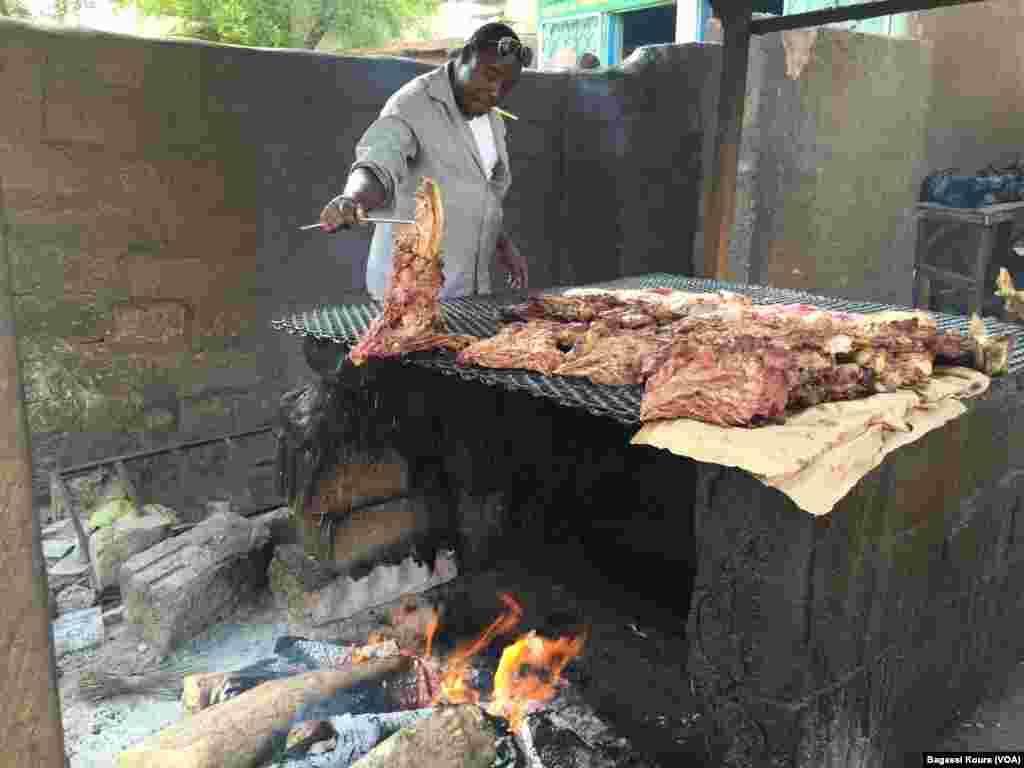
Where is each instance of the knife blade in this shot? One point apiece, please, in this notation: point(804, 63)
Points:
point(367, 221)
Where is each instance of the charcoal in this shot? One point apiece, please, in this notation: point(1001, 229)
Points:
point(571, 735)
point(356, 736)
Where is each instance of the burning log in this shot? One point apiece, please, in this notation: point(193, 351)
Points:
point(205, 689)
point(453, 737)
point(240, 732)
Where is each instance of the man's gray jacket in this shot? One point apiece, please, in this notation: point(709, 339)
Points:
point(421, 132)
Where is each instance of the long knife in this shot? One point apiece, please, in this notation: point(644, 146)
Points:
point(318, 225)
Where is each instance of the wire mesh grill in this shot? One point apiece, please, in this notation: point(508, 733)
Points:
point(479, 316)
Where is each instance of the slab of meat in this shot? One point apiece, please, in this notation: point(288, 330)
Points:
point(411, 318)
point(729, 387)
point(720, 359)
point(738, 370)
point(536, 346)
point(632, 308)
point(614, 358)
point(559, 308)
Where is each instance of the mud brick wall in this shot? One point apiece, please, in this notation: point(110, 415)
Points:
point(153, 190)
point(851, 640)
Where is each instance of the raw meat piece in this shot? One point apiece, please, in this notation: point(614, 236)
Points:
point(615, 359)
point(536, 346)
point(890, 371)
point(718, 358)
point(561, 308)
point(728, 387)
point(826, 356)
point(630, 307)
point(411, 318)
point(627, 317)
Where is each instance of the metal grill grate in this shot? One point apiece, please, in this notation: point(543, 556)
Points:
point(479, 316)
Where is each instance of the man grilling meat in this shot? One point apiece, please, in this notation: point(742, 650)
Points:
point(443, 125)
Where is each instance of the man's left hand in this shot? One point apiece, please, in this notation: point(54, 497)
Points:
point(512, 262)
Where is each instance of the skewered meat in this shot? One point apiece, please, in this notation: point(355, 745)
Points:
point(411, 319)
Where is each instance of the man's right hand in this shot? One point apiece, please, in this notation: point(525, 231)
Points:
point(341, 213)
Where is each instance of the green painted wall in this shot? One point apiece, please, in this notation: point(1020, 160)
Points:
point(550, 9)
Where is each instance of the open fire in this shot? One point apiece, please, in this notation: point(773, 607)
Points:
point(528, 674)
point(359, 702)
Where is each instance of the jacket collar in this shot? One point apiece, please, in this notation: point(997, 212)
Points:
point(439, 88)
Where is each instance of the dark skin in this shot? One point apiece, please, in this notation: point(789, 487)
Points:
point(480, 80)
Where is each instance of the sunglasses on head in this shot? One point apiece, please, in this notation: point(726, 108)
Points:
point(509, 46)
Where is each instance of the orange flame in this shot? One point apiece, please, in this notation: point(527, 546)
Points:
point(432, 627)
point(543, 661)
point(453, 685)
point(529, 671)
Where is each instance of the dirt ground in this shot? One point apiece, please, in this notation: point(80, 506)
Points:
point(632, 671)
point(996, 725)
point(95, 733)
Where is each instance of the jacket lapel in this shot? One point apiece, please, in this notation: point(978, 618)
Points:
point(440, 90)
point(498, 129)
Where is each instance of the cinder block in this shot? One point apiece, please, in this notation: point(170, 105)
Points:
point(111, 547)
point(178, 588)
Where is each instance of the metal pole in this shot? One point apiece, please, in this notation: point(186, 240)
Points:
point(30, 722)
point(720, 210)
point(869, 10)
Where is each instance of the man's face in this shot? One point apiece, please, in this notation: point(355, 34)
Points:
point(483, 79)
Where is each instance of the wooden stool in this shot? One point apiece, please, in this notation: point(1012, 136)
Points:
point(987, 220)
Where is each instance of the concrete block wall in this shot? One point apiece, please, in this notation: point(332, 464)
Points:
point(852, 640)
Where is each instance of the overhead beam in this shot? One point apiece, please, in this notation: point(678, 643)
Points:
point(763, 26)
point(720, 205)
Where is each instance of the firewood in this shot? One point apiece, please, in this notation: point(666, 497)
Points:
point(453, 737)
point(240, 733)
point(199, 691)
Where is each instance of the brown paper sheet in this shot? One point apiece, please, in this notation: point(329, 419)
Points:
point(819, 454)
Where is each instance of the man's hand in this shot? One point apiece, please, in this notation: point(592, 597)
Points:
point(512, 262)
point(341, 213)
